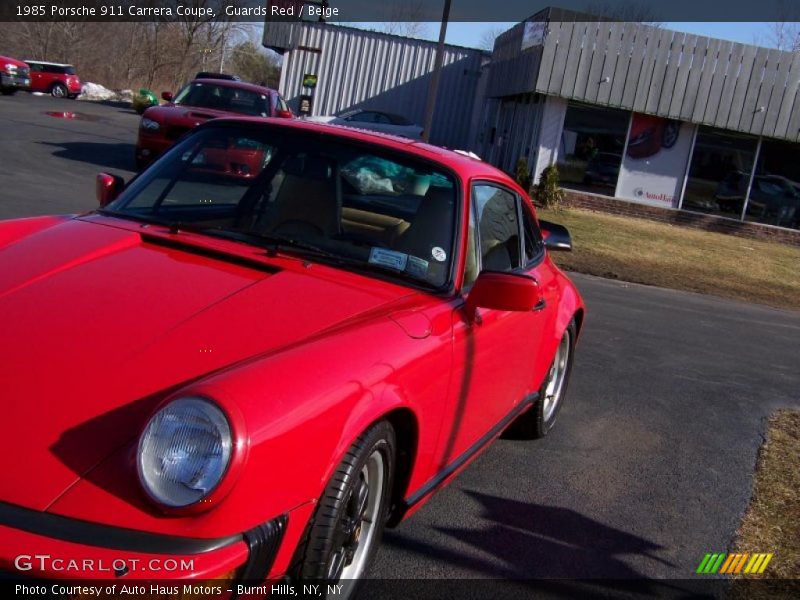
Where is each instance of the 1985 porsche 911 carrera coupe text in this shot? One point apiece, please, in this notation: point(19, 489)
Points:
point(273, 342)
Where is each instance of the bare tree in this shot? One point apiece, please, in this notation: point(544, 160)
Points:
point(627, 11)
point(784, 36)
point(406, 18)
point(486, 41)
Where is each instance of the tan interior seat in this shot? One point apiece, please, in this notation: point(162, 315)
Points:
point(306, 203)
point(431, 228)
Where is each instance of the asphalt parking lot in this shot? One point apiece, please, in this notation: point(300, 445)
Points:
point(651, 463)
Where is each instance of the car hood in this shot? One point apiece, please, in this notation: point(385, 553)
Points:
point(100, 323)
point(173, 113)
point(7, 60)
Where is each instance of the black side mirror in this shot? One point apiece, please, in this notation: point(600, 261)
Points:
point(556, 237)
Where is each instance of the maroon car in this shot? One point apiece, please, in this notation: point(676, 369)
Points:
point(198, 102)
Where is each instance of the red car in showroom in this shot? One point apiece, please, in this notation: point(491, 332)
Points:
point(57, 79)
point(252, 371)
point(199, 101)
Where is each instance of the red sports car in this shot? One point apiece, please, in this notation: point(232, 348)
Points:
point(245, 374)
point(201, 100)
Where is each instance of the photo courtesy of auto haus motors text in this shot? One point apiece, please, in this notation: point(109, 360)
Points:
point(444, 299)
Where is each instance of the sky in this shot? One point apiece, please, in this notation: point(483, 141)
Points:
point(470, 34)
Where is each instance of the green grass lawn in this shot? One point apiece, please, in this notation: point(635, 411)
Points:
point(671, 256)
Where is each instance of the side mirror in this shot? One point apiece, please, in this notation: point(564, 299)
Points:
point(284, 114)
point(556, 237)
point(503, 291)
point(107, 188)
point(167, 96)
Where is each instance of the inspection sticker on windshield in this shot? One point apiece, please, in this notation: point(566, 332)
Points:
point(388, 258)
point(416, 266)
point(438, 254)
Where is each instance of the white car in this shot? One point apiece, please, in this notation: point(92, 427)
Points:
point(374, 120)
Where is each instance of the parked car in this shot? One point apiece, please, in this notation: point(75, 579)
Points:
point(211, 75)
point(14, 75)
point(265, 368)
point(374, 120)
point(773, 199)
point(603, 169)
point(199, 101)
point(57, 79)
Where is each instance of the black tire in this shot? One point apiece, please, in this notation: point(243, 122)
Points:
point(319, 549)
point(533, 424)
point(59, 90)
point(8, 91)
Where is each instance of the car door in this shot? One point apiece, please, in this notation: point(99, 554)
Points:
point(494, 354)
point(37, 82)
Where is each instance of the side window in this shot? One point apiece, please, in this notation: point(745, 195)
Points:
point(532, 237)
point(364, 117)
point(498, 227)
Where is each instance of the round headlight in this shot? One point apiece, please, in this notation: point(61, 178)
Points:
point(149, 124)
point(184, 452)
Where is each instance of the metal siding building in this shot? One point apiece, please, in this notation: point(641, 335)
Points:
point(638, 112)
point(372, 70)
point(654, 71)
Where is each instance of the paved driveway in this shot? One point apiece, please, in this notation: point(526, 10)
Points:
point(651, 463)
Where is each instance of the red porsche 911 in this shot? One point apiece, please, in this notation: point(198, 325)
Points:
point(278, 339)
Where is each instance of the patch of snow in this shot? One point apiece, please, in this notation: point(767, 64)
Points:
point(125, 95)
point(95, 91)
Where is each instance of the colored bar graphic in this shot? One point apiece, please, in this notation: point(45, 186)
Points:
point(703, 563)
point(734, 563)
point(764, 564)
point(739, 564)
point(728, 563)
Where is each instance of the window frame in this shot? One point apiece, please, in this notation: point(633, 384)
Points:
point(524, 265)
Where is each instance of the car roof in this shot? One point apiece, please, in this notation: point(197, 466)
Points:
point(241, 85)
point(466, 166)
point(47, 62)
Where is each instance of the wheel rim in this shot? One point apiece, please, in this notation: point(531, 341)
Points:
point(58, 91)
point(556, 378)
point(355, 532)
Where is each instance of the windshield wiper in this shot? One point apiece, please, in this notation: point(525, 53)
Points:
point(282, 243)
point(174, 226)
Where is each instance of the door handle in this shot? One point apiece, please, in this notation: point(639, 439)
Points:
point(540, 305)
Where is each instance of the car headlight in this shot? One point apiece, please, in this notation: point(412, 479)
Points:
point(184, 452)
point(150, 125)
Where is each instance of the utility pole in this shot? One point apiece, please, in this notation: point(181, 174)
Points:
point(433, 88)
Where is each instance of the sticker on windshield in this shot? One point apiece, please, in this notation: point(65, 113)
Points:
point(438, 254)
point(388, 258)
point(417, 267)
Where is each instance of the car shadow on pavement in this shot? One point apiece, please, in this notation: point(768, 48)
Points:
point(119, 156)
point(527, 541)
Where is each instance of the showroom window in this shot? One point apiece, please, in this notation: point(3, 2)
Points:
point(591, 148)
point(719, 173)
point(775, 194)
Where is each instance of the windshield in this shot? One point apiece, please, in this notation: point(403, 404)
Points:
point(352, 205)
point(222, 97)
